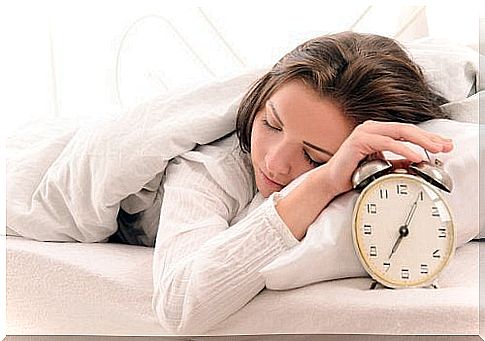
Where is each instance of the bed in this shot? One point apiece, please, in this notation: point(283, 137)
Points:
point(106, 289)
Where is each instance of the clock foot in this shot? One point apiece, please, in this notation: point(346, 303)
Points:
point(374, 285)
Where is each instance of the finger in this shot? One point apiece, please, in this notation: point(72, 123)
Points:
point(447, 143)
point(383, 143)
point(439, 138)
point(410, 133)
point(380, 155)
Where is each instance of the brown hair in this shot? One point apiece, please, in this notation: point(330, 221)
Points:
point(368, 76)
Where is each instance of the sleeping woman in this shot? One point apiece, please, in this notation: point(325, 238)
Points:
point(325, 106)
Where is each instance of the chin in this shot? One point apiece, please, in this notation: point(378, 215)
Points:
point(265, 192)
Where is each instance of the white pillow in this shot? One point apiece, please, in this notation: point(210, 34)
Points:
point(451, 69)
point(327, 250)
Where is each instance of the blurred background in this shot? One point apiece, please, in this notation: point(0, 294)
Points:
point(96, 58)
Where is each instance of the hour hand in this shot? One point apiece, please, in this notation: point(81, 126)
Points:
point(403, 232)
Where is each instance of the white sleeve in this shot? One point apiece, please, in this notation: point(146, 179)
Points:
point(204, 270)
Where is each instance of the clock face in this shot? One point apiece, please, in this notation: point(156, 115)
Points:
point(403, 231)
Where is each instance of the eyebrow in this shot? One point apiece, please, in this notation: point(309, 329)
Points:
point(275, 113)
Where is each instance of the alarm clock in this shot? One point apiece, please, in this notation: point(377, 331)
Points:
point(402, 228)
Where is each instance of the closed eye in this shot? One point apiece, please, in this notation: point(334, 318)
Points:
point(266, 123)
point(311, 161)
point(305, 154)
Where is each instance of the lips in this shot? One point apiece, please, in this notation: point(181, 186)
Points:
point(269, 181)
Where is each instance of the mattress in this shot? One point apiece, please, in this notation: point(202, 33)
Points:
point(99, 288)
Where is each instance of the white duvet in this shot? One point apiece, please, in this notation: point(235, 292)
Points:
point(67, 180)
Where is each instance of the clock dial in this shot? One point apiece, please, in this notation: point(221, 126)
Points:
point(403, 231)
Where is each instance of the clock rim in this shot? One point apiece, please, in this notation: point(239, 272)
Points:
point(357, 248)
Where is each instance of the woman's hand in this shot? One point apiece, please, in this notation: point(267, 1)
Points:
point(373, 137)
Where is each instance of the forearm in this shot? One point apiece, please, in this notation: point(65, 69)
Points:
point(197, 286)
point(299, 208)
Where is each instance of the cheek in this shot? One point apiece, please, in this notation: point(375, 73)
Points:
point(258, 143)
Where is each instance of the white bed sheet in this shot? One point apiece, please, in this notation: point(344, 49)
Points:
point(81, 288)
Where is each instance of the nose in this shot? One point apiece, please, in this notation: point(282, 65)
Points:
point(277, 162)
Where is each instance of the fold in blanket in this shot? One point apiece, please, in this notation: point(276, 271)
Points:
point(79, 182)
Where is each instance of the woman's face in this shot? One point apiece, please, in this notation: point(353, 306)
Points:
point(295, 131)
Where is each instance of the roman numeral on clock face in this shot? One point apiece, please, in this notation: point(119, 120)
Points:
point(373, 251)
point(424, 268)
point(442, 232)
point(402, 189)
point(383, 193)
point(436, 254)
point(367, 229)
point(371, 208)
point(404, 273)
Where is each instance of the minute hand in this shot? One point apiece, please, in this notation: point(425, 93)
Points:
point(411, 213)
